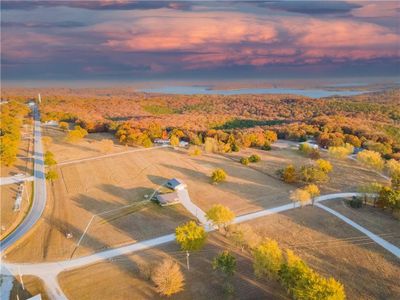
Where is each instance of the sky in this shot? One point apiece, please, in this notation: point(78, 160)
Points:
point(145, 40)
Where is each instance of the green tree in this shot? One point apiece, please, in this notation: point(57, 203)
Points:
point(225, 262)
point(168, 278)
point(191, 237)
point(218, 175)
point(267, 259)
point(220, 216)
point(174, 140)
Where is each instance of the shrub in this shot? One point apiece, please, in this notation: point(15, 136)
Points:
point(63, 125)
point(356, 202)
point(312, 174)
point(244, 161)
point(341, 151)
point(218, 175)
point(254, 158)
point(266, 147)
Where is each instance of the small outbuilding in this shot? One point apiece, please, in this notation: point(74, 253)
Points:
point(162, 141)
point(167, 199)
point(176, 184)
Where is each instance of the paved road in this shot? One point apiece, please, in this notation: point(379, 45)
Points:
point(49, 271)
point(39, 196)
point(14, 179)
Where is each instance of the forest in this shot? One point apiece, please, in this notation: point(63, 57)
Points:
point(370, 121)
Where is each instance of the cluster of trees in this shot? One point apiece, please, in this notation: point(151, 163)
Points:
point(50, 162)
point(341, 152)
point(305, 195)
point(299, 280)
point(269, 261)
point(11, 119)
point(315, 173)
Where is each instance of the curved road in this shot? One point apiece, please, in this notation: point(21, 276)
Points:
point(39, 189)
point(49, 271)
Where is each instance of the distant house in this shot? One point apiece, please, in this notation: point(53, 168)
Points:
point(31, 103)
point(167, 199)
point(183, 144)
point(311, 144)
point(162, 141)
point(176, 184)
point(51, 123)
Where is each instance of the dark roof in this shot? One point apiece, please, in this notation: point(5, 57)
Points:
point(174, 182)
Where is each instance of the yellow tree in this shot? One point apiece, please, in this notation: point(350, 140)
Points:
point(168, 278)
point(267, 259)
point(220, 216)
point(313, 190)
point(300, 195)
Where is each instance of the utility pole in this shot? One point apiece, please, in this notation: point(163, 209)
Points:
point(187, 259)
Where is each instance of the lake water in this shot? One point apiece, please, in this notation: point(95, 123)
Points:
point(206, 90)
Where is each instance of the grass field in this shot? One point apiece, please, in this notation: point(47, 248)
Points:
point(327, 244)
point(120, 184)
point(10, 218)
point(380, 222)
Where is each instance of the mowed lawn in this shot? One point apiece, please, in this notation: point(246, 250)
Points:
point(327, 244)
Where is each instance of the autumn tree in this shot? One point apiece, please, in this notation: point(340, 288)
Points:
point(218, 175)
point(288, 174)
point(63, 125)
point(341, 151)
point(370, 190)
point(168, 278)
point(300, 195)
point(174, 141)
point(267, 259)
point(77, 134)
point(371, 159)
point(393, 167)
point(51, 175)
point(312, 174)
point(220, 216)
point(313, 190)
point(324, 165)
point(191, 237)
point(49, 159)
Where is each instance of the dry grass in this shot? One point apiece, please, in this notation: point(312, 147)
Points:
point(374, 219)
point(10, 218)
point(330, 246)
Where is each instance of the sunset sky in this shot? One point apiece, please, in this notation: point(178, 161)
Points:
point(128, 40)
